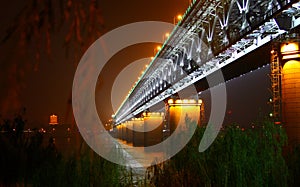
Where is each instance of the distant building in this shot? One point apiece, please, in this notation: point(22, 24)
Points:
point(53, 120)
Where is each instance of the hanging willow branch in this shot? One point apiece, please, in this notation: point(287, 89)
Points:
point(40, 21)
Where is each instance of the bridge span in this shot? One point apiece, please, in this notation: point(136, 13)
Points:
point(211, 35)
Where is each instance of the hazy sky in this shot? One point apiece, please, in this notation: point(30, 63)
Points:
point(47, 90)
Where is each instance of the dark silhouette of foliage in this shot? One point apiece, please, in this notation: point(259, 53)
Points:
point(238, 157)
point(25, 161)
point(80, 22)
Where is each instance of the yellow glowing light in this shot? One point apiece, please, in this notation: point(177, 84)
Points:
point(292, 56)
point(158, 48)
point(184, 102)
point(167, 35)
point(289, 47)
point(137, 119)
point(170, 101)
point(179, 17)
point(290, 50)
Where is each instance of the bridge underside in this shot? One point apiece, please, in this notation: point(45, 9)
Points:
point(213, 35)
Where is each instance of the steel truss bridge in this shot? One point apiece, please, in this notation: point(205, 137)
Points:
point(211, 35)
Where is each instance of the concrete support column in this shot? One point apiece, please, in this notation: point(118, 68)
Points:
point(290, 89)
point(128, 133)
point(138, 132)
point(181, 112)
point(153, 122)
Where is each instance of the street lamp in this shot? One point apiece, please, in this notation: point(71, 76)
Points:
point(158, 48)
point(177, 19)
point(166, 36)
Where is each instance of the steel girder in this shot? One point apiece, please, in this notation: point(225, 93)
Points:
point(211, 35)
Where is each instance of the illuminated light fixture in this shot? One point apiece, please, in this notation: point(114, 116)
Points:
point(200, 101)
point(179, 17)
point(290, 50)
point(178, 101)
point(166, 36)
point(155, 114)
point(185, 101)
point(170, 101)
point(289, 47)
point(272, 51)
point(158, 48)
point(137, 119)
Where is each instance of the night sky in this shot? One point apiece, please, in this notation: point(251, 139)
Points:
point(45, 90)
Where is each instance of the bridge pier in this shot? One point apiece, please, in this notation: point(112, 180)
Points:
point(153, 124)
point(180, 112)
point(128, 134)
point(148, 130)
point(291, 90)
point(289, 85)
point(138, 132)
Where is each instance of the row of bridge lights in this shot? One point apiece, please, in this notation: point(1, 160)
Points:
point(156, 50)
point(176, 20)
point(171, 102)
point(184, 102)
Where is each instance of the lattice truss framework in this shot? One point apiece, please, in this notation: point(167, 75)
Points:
point(211, 35)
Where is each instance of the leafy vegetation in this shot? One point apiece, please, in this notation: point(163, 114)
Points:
point(25, 161)
point(238, 157)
